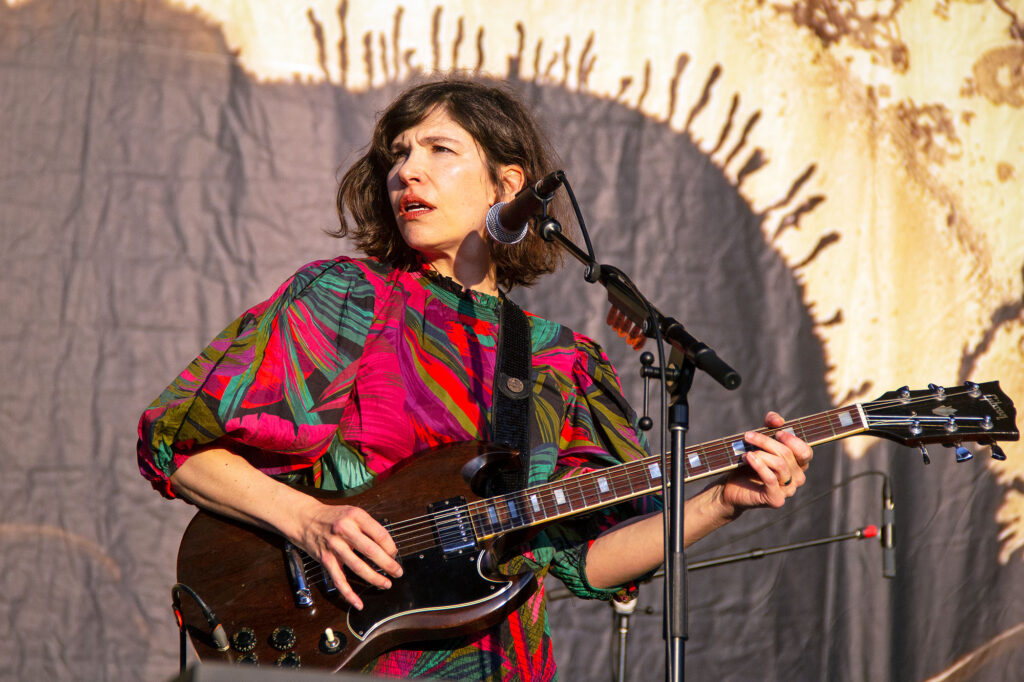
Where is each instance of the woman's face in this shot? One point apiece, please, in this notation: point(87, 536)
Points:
point(440, 191)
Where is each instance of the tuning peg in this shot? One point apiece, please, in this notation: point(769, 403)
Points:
point(939, 391)
point(963, 454)
point(924, 454)
point(973, 389)
point(997, 452)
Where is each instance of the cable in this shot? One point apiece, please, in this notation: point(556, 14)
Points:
point(794, 509)
point(217, 631)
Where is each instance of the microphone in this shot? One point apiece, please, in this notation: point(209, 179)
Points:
point(508, 221)
point(888, 518)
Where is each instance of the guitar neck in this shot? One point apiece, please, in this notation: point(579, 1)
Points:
point(579, 494)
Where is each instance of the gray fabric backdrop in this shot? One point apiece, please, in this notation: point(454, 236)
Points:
point(150, 190)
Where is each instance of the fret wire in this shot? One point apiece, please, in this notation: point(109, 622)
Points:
point(711, 456)
point(584, 491)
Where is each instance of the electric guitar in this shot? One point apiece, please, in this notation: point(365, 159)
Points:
point(246, 595)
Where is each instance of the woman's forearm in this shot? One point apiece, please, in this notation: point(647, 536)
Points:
point(631, 549)
point(223, 482)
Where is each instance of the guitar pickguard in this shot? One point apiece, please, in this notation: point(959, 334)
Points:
point(430, 581)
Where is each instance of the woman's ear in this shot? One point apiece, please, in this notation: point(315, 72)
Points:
point(513, 179)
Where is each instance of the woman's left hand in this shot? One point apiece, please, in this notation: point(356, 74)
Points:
point(773, 471)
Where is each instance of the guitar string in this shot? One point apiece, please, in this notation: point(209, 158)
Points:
point(450, 525)
point(807, 424)
point(626, 471)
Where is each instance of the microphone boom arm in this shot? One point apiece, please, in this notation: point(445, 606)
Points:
point(625, 296)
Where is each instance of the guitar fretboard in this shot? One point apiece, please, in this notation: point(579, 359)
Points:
point(577, 494)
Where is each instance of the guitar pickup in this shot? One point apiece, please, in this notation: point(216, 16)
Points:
point(453, 526)
point(297, 576)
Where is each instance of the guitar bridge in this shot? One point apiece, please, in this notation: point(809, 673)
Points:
point(453, 526)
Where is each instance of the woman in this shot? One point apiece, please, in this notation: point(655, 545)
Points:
point(355, 365)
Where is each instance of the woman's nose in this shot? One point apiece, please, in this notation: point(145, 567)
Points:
point(409, 169)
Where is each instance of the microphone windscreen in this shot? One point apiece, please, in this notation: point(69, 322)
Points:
point(498, 231)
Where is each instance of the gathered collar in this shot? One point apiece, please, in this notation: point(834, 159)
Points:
point(450, 285)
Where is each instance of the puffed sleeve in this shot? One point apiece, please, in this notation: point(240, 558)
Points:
point(600, 430)
point(270, 386)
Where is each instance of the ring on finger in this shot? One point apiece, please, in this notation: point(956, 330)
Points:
point(787, 481)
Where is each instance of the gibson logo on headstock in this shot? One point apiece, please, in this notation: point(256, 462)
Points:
point(996, 404)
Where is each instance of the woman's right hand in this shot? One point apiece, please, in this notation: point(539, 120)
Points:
point(344, 536)
point(335, 535)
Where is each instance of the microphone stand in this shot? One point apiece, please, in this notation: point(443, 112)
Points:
point(625, 296)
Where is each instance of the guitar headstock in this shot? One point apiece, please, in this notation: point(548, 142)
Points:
point(978, 413)
point(625, 327)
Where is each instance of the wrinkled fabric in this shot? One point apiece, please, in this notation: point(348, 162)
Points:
point(154, 185)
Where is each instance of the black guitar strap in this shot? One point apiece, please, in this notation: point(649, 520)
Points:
point(510, 407)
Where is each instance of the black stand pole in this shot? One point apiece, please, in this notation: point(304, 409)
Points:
point(625, 296)
point(676, 586)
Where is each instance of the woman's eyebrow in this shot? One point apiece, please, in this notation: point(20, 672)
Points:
point(434, 139)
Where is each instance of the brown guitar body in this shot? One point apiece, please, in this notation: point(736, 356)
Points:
point(242, 573)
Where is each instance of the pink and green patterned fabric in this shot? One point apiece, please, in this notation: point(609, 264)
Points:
point(352, 366)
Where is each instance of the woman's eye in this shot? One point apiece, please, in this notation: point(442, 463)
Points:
point(441, 148)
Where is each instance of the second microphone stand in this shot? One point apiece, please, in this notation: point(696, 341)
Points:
point(693, 355)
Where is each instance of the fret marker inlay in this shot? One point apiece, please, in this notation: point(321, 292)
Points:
point(694, 460)
point(740, 448)
point(655, 470)
point(845, 419)
point(512, 509)
point(535, 503)
point(559, 496)
point(493, 515)
point(602, 484)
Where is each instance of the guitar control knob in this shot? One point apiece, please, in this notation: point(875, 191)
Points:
point(248, 659)
point(244, 640)
point(282, 638)
point(289, 660)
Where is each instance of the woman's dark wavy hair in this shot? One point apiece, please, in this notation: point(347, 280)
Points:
point(507, 134)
